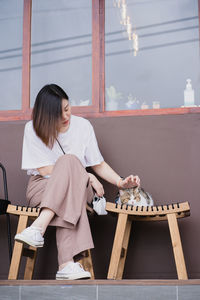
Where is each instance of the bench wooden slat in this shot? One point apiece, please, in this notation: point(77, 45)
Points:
point(23, 210)
point(183, 208)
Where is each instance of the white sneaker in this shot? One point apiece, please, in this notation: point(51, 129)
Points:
point(31, 236)
point(73, 271)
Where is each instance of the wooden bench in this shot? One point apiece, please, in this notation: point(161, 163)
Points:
point(126, 214)
point(19, 250)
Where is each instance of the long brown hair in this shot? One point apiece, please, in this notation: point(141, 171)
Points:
point(47, 112)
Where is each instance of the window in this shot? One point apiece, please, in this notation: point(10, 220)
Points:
point(152, 48)
point(11, 16)
point(62, 48)
point(141, 68)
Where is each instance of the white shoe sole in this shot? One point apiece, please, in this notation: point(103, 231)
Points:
point(81, 275)
point(24, 239)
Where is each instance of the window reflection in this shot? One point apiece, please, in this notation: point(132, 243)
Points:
point(62, 48)
point(11, 20)
point(151, 73)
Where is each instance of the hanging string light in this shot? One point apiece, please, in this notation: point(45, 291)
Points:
point(123, 13)
point(135, 43)
point(129, 28)
point(126, 21)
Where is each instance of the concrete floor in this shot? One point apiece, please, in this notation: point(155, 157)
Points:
point(100, 290)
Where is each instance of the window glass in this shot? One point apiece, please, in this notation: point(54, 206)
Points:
point(152, 53)
point(61, 48)
point(11, 23)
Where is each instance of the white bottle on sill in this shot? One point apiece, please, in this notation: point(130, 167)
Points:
point(188, 94)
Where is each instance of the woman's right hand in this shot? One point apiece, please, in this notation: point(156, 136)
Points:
point(128, 182)
point(96, 184)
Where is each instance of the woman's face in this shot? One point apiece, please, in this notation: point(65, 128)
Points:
point(66, 114)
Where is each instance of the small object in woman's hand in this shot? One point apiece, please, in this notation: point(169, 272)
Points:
point(99, 205)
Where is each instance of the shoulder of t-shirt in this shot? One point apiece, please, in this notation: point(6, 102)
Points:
point(28, 126)
point(29, 130)
point(80, 121)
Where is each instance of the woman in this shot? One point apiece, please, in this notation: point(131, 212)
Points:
point(57, 147)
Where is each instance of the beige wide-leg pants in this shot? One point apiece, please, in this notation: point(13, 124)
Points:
point(66, 193)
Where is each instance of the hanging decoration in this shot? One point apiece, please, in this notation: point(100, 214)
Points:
point(126, 21)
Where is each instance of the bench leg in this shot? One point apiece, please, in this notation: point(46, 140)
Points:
point(120, 246)
point(87, 264)
point(17, 251)
point(30, 263)
point(124, 250)
point(177, 246)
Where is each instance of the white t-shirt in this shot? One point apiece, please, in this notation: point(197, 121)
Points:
point(79, 140)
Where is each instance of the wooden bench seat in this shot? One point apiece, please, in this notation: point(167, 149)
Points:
point(127, 213)
point(19, 250)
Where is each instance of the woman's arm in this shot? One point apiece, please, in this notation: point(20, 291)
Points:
point(105, 172)
point(108, 174)
point(96, 184)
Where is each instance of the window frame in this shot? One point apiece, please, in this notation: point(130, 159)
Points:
point(97, 109)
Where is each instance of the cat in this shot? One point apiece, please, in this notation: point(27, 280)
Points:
point(135, 196)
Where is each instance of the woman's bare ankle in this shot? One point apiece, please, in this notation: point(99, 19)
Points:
point(43, 219)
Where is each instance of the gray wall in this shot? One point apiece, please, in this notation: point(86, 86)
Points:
point(164, 152)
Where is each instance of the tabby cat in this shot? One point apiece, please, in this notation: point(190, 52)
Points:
point(135, 196)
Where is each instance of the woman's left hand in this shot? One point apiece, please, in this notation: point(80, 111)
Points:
point(129, 182)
